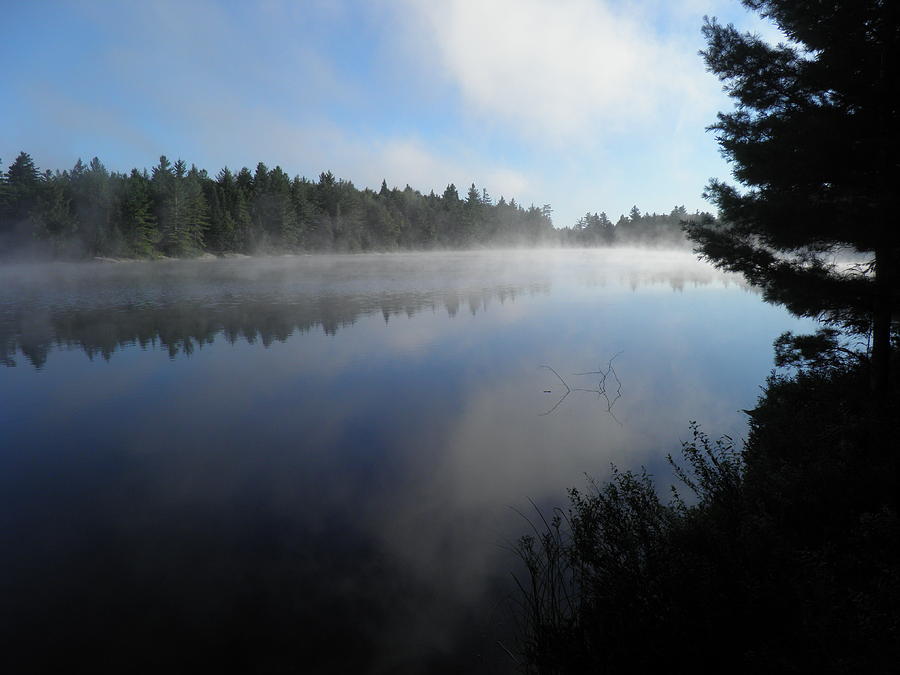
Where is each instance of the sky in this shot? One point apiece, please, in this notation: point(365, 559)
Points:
point(588, 105)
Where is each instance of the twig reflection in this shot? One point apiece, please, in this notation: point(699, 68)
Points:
point(568, 391)
point(609, 390)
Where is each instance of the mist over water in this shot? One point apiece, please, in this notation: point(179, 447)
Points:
point(316, 460)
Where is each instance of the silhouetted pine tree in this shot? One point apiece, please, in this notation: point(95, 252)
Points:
point(814, 141)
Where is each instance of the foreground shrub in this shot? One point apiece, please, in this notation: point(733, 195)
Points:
point(780, 556)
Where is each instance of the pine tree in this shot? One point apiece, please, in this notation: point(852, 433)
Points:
point(450, 196)
point(21, 188)
point(167, 201)
point(239, 206)
point(814, 142)
point(196, 221)
point(92, 197)
point(326, 194)
point(181, 207)
point(219, 219)
point(22, 173)
point(136, 218)
point(52, 214)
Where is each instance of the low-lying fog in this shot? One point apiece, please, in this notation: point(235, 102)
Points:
point(100, 306)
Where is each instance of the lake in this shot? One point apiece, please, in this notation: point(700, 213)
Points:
point(319, 463)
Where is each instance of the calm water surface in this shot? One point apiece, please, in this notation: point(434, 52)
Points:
point(312, 464)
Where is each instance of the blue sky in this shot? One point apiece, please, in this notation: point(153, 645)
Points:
point(586, 104)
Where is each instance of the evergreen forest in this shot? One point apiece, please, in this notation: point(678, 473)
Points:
point(178, 211)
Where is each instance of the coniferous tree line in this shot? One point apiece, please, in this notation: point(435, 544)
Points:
point(179, 210)
point(634, 229)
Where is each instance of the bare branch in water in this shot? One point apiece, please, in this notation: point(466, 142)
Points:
point(559, 376)
point(563, 398)
point(604, 373)
point(602, 391)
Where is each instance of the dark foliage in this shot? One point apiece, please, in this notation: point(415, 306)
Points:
point(178, 211)
point(784, 559)
point(814, 140)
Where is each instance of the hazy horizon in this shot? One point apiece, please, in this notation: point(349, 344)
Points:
point(394, 91)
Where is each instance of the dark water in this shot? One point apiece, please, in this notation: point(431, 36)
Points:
point(312, 464)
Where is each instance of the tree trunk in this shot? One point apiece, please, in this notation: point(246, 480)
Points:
point(881, 327)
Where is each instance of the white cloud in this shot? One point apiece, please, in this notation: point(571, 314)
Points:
point(587, 105)
point(405, 160)
point(171, 89)
point(366, 160)
point(408, 160)
point(560, 69)
point(509, 183)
